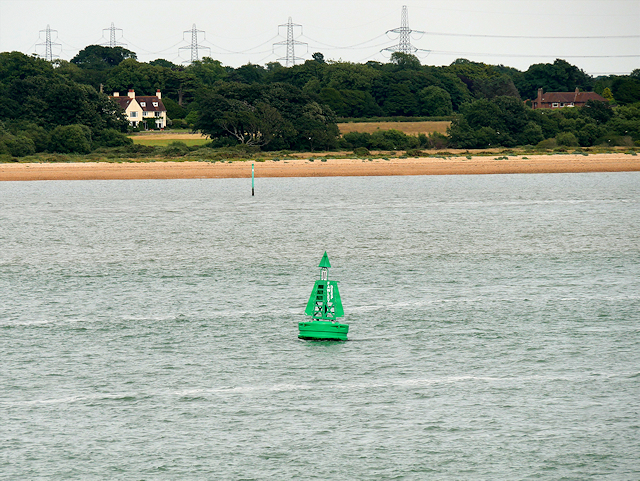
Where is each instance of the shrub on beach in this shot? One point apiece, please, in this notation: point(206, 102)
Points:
point(21, 146)
point(567, 139)
point(547, 144)
point(361, 151)
point(71, 139)
point(175, 149)
point(112, 138)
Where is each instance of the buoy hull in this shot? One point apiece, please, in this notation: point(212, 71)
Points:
point(323, 331)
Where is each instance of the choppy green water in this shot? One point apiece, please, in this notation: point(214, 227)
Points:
point(148, 329)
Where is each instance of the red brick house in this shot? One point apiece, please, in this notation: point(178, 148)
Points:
point(554, 100)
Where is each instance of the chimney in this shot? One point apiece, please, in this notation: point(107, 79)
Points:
point(116, 94)
point(159, 94)
point(132, 93)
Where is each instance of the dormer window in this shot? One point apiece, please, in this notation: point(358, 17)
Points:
point(143, 104)
point(155, 104)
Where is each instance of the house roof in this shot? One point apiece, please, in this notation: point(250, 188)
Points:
point(568, 97)
point(146, 102)
point(123, 102)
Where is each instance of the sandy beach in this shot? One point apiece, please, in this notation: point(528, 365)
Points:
point(617, 162)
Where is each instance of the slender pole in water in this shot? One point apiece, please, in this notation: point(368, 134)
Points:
point(252, 182)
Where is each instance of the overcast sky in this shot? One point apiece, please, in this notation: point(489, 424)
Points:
point(599, 36)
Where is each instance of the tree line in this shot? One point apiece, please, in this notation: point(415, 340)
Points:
point(53, 106)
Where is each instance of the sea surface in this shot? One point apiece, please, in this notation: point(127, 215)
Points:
point(148, 329)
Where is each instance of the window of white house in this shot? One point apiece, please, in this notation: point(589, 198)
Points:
point(143, 104)
point(133, 114)
point(158, 114)
point(555, 104)
point(155, 104)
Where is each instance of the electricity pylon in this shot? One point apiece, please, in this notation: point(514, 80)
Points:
point(194, 47)
point(290, 58)
point(48, 44)
point(404, 39)
point(112, 36)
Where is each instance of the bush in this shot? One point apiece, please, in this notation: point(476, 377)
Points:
point(21, 146)
point(357, 139)
point(547, 144)
point(175, 149)
point(112, 138)
point(567, 139)
point(612, 140)
point(436, 140)
point(71, 139)
point(361, 151)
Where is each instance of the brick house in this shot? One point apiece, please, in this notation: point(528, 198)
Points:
point(142, 108)
point(554, 100)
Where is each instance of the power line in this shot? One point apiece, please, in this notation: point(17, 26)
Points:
point(194, 47)
point(48, 44)
point(518, 55)
point(290, 58)
point(112, 36)
point(404, 32)
point(601, 37)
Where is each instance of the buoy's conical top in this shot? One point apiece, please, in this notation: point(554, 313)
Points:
point(325, 261)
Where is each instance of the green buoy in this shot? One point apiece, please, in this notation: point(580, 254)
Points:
point(324, 306)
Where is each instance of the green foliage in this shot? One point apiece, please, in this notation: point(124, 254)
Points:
point(361, 152)
point(274, 107)
point(626, 90)
point(405, 60)
point(380, 140)
point(71, 139)
point(98, 57)
point(557, 77)
point(174, 111)
point(111, 138)
point(547, 144)
point(175, 149)
point(601, 112)
point(21, 146)
point(567, 139)
point(276, 115)
point(150, 123)
point(435, 102)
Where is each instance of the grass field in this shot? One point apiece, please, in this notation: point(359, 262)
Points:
point(165, 138)
point(409, 128)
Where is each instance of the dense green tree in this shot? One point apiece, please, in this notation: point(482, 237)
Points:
point(435, 102)
point(626, 90)
point(405, 61)
point(600, 112)
point(557, 77)
point(18, 66)
point(490, 88)
point(111, 138)
point(21, 146)
point(276, 115)
point(145, 79)
point(98, 57)
point(160, 62)
point(318, 57)
point(71, 139)
point(248, 74)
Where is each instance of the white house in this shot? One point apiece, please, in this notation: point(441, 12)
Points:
point(142, 108)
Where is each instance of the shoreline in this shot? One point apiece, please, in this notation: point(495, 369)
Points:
point(326, 167)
